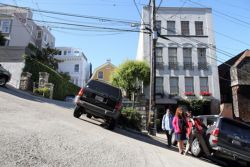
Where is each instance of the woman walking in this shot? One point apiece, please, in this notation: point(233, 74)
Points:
point(180, 126)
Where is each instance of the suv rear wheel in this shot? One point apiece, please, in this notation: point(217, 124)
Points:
point(3, 80)
point(89, 116)
point(111, 124)
point(78, 111)
point(195, 148)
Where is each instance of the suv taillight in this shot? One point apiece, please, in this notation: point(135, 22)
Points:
point(215, 135)
point(81, 92)
point(216, 132)
point(118, 106)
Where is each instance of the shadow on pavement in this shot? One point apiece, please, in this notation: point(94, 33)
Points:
point(29, 96)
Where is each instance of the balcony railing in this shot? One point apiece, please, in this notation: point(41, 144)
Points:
point(188, 65)
point(202, 65)
point(159, 62)
point(173, 65)
point(159, 91)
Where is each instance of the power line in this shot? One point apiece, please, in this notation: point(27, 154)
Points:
point(221, 13)
point(77, 15)
point(138, 12)
point(88, 26)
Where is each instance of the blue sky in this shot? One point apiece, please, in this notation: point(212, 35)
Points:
point(231, 21)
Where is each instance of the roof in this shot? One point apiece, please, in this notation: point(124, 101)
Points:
point(224, 68)
point(245, 54)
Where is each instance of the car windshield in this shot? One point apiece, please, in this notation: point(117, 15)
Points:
point(104, 88)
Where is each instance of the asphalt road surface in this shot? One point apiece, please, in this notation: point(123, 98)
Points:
point(39, 132)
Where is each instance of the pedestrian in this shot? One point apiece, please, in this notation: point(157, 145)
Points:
point(167, 125)
point(190, 124)
point(180, 127)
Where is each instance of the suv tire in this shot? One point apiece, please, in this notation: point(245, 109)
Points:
point(111, 124)
point(89, 116)
point(196, 148)
point(78, 112)
point(3, 81)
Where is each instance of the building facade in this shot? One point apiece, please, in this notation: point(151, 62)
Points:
point(186, 67)
point(104, 71)
point(75, 64)
point(19, 30)
point(235, 84)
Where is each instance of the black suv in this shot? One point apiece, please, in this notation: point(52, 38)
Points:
point(4, 76)
point(100, 100)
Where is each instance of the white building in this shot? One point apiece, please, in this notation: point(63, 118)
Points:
point(19, 30)
point(75, 64)
point(186, 63)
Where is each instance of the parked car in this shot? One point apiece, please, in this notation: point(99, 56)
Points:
point(5, 76)
point(225, 138)
point(100, 100)
point(230, 139)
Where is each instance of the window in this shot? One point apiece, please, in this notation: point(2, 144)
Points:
point(39, 34)
point(189, 85)
point(69, 51)
point(171, 27)
point(100, 75)
point(172, 53)
point(65, 52)
point(204, 84)
point(59, 52)
point(159, 86)
point(76, 68)
point(158, 26)
point(202, 61)
point(187, 58)
point(199, 28)
point(5, 25)
point(174, 85)
point(158, 53)
point(184, 27)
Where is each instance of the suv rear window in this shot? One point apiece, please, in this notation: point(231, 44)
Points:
point(236, 129)
point(104, 88)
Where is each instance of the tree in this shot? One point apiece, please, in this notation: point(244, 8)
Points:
point(129, 76)
point(2, 40)
point(45, 56)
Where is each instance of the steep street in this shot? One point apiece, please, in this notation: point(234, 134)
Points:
point(41, 132)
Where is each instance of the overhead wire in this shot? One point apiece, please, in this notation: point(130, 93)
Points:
point(87, 26)
point(223, 14)
point(80, 16)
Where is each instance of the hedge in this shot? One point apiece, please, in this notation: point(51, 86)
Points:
point(130, 118)
point(62, 87)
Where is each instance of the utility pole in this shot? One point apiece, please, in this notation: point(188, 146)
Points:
point(153, 39)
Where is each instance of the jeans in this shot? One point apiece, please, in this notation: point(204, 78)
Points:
point(169, 134)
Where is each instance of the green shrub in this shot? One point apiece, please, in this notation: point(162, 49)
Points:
point(42, 91)
point(130, 118)
point(62, 87)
